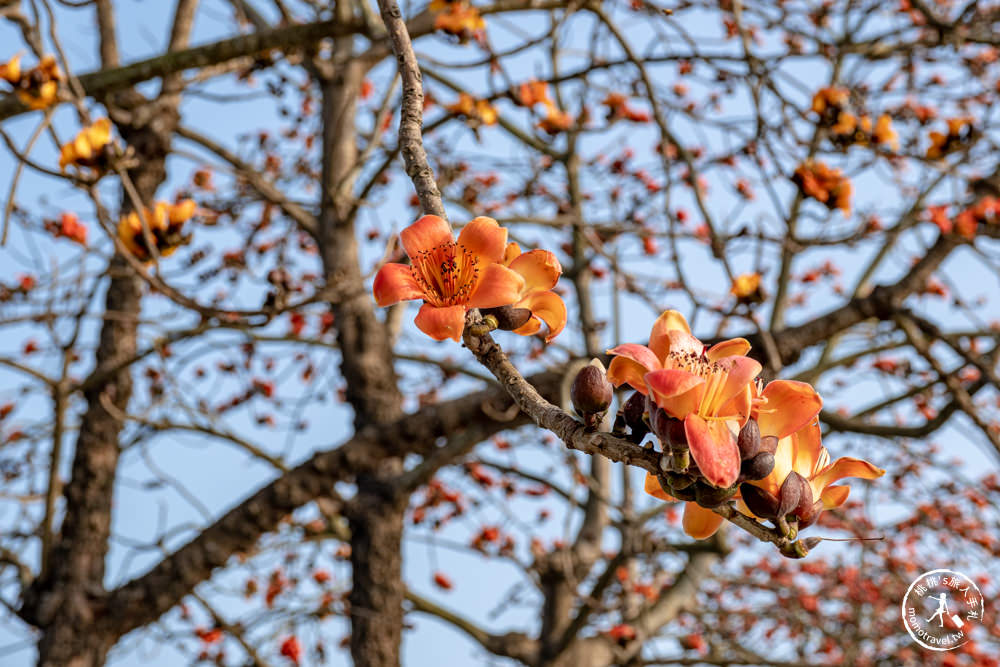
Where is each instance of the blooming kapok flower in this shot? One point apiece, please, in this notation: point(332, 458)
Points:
point(803, 453)
point(36, 88)
point(165, 223)
point(457, 17)
point(540, 270)
point(709, 389)
point(476, 111)
point(782, 408)
point(450, 276)
point(824, 184)
point(87, 148)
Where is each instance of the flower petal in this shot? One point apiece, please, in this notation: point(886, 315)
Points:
point(623, 370)
point(740, 372)
point(808, 453)
point(510, 253)
point(734, 347)
point(699, 522)
point(789, 406)
point(669, 320)
point(428, 232)
point(529, 328)
point(395, 283)
point(485, 238)
point(498, 286)
point(844, 467)
point(739, 406)
point(548, 307)
point(714, 449)
point(681, 342)
point(834, 496)
point(678, 392)
point(441, 323)
point(653, 488)
point(539, 268)
point(640, 354)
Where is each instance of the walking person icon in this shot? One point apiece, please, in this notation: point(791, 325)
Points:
point(941, 610)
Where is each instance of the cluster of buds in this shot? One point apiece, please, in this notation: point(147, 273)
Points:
point(848, 128)
point(92, 148)
point(824, 184)
point(164, 223)
point(960, 133)
point(36, 88)
point(459, 19)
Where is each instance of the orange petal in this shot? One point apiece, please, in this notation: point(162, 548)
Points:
point(699, 522)
point(678, 392)
point(539, 268)
point(510, 253)
point(834, 496)
point(529, 328)
point(395, 283)
point(789, 406)
point(845, 467)
point(548, 307)
point(682, 342)
point(784, 457)
point(441, 323)
point(668, 321)
point(808, 454)
point(485, 238)
point(498, 286)
point(713, 448)
point(734, 347)
point(426, 233)
point(740, 372)
point(640, 354)
point(622, 370)
point(653, 488)
point(739, 406)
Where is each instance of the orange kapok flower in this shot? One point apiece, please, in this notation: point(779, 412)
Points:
point(884, 133)
point(479, 111)
point(532, 92)
point(36, 88)
point(165, 223)
point(746, 288)
point(824, 184)
point(87, 148)
point(458, 18)
point(450, 276)
point(802, 453)
point(709, 389)
point(959, 131)
point(829, 98)
point(540, 270)
point(555, 121)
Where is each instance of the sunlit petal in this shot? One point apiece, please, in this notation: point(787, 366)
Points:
point(845, 467)
point(668, 321)
point(395, 283)
point(653, 488)
point(740, 371)
point(498, 286)
point(734, 347)
point(678, 392)
point(426, 233)
point(623, 370)
point(834, 496)
point(788, 406)
point(699, 522)
point(549, 307)
point(484, 238)
point(640, 354)
point(714, 449)
point(441, 323)
point(539, 268)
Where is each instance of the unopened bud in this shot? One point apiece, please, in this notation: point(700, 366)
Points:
point(749, 440)
point(591, 392)
point(792, 490)
point(762, 503)
point(508, 317)
point(632, 411)
point(759, 467)
point(709, 496)
point(769, 443)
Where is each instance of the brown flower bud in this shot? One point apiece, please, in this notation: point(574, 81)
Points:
point(508, 317)
point(769, 443)
point(591, 392)
point(709, 496)
point(792, 490)
point(762, 503)
point(633, 411)
point(759, 467)
point(749, 441)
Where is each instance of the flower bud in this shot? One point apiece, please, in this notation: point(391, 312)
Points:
point(591, 392)
point(762, 503)
point(508, 317)
point(769, 443)
point(759, 467)
point(633, 411)
point(709, 496)
point(749, 441)
point(792, 490)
